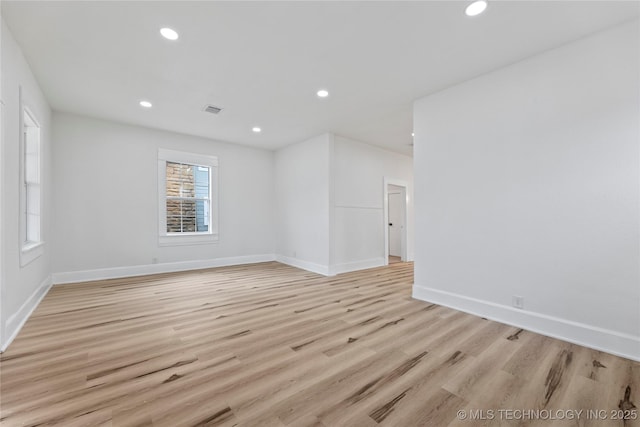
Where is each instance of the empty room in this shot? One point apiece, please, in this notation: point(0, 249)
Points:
point(320, 213)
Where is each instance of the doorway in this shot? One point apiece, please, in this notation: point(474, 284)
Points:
point(395, 221)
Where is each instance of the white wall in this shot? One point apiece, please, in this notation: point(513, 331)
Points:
point(22, 287)
point(106, 207)
point(527, 183)
point(330, 200)
point(359, 171)
point(302, 181)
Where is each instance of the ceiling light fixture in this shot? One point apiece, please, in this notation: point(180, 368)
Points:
point(322, 93)
point(169, 34)
point(146, 104)
point(256, 129)
point(476, 8)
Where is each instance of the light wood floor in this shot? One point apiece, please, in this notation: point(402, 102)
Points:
point(269, 345)
point(394, 259)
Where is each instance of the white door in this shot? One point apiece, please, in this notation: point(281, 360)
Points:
point(396, 224)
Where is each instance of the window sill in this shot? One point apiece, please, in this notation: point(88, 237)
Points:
point(187, 239)
point(31, 252)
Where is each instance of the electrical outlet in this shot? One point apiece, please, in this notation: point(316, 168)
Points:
point(517, 301)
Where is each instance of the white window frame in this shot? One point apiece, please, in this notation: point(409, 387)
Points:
point(29, 250)
point(194, 238)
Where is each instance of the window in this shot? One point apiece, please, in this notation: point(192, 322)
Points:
point(188, 198)
point(31, 189)
point(187, 188)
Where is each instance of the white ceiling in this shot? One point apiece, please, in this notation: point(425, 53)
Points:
point(263, 61)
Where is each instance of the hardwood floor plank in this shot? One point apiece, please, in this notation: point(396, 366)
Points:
point(268, 345)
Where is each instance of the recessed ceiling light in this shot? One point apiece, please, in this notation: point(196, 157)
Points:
point(169, 34)
point(256, 129)
point(322, 93)
point(146, 104)
point(412, 134)
point(476, 8)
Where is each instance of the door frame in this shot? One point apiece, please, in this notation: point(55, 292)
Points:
point(2, 202)
point(385, 224)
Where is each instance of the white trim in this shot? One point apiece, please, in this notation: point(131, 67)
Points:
point(385, 216)
point(190, 158)
point(31, 252)
point(333, 240)
point(142, 270)
point(178, 239)
point(181, 239)
point(304, 265)
point(17, 320)
point(357, 265)
point(617, 343)
point(2, 281)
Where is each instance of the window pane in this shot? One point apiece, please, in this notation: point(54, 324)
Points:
point(188, 216)
point(32, 213)
point(33, 228)
point(180, 180)
point(33, 199)
point(202, 215)
point(32, 138)
point(31, 169)
point(201, 182)
point(174, 220)
point(181, 216)
point(31, 183)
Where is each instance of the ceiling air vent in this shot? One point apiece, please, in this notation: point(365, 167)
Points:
point(212, 109)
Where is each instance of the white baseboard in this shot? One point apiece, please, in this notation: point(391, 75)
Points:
point(331, 270)
point(169, 267)
point(16, 321)
point(304, 265)
point(357, 265)
point(606, 340)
